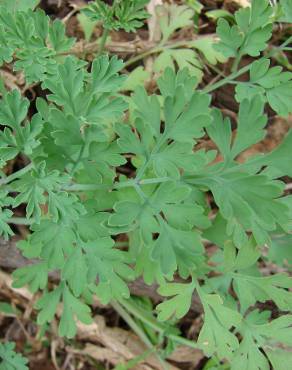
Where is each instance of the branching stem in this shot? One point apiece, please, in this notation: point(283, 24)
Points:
point(138, 330)
point(227, 80)
point(16, 174)
point(138, 313)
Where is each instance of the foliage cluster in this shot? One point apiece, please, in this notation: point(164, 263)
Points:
point(85, 135)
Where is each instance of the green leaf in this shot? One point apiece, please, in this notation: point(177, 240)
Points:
point(266, 77)
point(280, 97)
point(87, 25)
point(6, 51)
point(66, 128)
point(86, 97)
point(110, 265)
point(255, 22)
point(57, 38)
point(136, 78)
point(175, 248)
point(183, 58)
point(206, 47)
point(73, 309)
point(9, 310)
point(32, 188)
point(127, 15)
point(173, 17)
point(5, 230)
point(279, 358)
point(68, 85)
point(230, 38)
point(48, 304)
point(102, 160)
point(15, 137)
point(250, 33)
point(185, 116)
point(215, 335)
point(286, 6)
point(220, 132)
point(26, 35)
point(9, 359)
point(280, 251)
point(277, 161)
point(13, 109)
point(56, 240)
point(272, 83)
point(35, 276)
point(261, 337)
point(248, 202)
point(19, 5)
point(179, 305)
point(105, 74)
point(176, 244)
point(251, 121)
point(75, 273)
point(252, 289)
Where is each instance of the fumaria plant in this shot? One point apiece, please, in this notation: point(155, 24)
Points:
point(83, 137)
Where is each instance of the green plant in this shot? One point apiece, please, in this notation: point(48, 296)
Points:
point(78, 199)
point(192, 54)
point(127, 15)
point(9, 359)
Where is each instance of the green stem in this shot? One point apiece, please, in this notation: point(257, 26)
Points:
point(121, 244)
point(137, 329)
point(236, 63)
point(157, 49)
point(285, 43)
point(20, 221)
point(130, 307)
point(146, 53)
point(86, 187)
point(78, 159)
point(227, 80)
point(158, 180)
point(117, 185)
point(92, 187)
point(103, 40)
point(133, 325)
point(156, 148)
point(16, 174)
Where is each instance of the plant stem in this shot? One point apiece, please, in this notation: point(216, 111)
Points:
point(121, 244)
point(285, 43)
point(116, 185)
point(235, 74)
point(137, 329)
point(103, 40)
point(78, 159)
point(146, 53)
point(85, 187)
point(154, 180)
point(16, 174)
point(130, 307)
point(157, 49)
point(227, 80)
point(133, 325)
point(236, 63)
point(20, 221)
